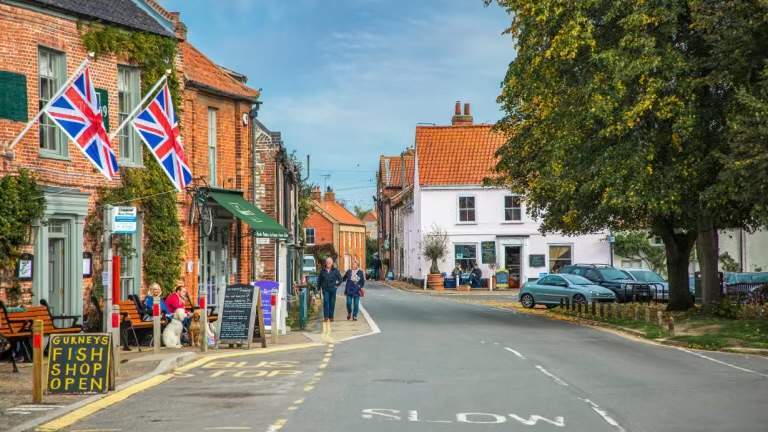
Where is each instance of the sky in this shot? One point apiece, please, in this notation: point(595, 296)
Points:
point(345, 81)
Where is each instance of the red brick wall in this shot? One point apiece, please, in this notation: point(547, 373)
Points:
point(323, 228)
point(23, 31)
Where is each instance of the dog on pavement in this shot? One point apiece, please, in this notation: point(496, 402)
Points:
point(172, 332)
point(195, 328)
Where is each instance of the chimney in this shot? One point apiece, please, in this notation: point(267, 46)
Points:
point(180, 27)
point(460, 119)
point(329, 195)
point(315, 194)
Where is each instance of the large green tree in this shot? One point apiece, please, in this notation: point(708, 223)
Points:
point(616, 120)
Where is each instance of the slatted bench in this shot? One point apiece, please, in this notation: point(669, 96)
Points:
point(10, 329)
point(129, 307)
point(22, 321)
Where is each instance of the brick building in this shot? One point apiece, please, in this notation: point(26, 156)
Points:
point(40, 47)
point(394, 180)
point(330, 223)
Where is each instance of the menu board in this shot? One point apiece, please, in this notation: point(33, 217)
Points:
point(488, 252)
point(237, 314)
point(80, 363)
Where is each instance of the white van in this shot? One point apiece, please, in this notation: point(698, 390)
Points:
point(308, 264)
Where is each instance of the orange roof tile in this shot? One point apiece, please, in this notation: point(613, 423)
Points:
point(395, 170)
point(339, 213)
point(201, 71)
point(370, 217)
point(456, 155)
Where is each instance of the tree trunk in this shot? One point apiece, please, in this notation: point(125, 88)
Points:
point(707, 251)
point(677, 245)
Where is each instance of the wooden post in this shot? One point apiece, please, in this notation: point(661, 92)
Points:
point(637, 312)
point(660, 318)
point(594, 309)
point(647, 314)
point(671, 325)
point(602, 311)
point(37, 361)
point(619, 311)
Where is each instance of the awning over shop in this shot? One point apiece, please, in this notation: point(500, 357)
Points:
point(261, 224)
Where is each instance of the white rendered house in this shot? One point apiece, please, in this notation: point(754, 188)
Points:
point(485, 225)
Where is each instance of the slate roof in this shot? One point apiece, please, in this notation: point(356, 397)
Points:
point(203, 73)
point(456, 155)
point(123, 12)
point(338, 212)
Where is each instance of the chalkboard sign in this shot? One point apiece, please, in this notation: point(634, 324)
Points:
point(488, 252)
point(80, 364)
point(536, 261)
point(237, 313)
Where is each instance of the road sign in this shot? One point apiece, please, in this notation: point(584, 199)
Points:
point(123, 220)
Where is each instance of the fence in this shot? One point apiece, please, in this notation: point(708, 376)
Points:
point(746, 293)
point(652, 313)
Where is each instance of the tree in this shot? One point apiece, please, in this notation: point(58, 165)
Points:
point(435, 247)
point(635, 245)
point(615, 120)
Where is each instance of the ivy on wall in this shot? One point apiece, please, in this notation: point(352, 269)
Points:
point(22, 203)
point(146, 188)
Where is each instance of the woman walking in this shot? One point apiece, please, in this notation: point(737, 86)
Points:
point(355, 279)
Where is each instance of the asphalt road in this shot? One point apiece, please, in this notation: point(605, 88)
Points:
point(441, 365)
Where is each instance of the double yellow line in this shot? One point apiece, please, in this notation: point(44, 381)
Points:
point(123, 394)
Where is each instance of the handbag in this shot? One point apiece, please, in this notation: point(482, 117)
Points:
point(362, 292)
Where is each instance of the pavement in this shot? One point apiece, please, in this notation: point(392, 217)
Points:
point(442, 365)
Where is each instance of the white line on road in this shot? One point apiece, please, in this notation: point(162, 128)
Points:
point(551, 375)
point(697, 354)
point(608, 419)
point(517, 353)
point(229, 428)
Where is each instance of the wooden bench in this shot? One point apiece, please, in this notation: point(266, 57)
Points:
point(212, 316)
point(129, 307)
point(10, 329)
point(22, 321)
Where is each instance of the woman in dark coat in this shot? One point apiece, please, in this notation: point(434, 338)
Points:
point(355, 279)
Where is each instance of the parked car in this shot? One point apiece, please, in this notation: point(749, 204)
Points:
point(659, 286)
point(614, 279)
point(550, 289)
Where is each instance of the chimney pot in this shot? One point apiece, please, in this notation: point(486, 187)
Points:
point(315, 194)
point(457, 108)
point(330, 196)
point(466, 109)
point(460, 119)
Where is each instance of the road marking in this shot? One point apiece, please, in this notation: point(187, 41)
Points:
point(229, 428)
point(608, 419)
point(371, 323)
point(277, 425)
point(298, 401)
point(495, 343)
point(558, 421)
point(697, 354)
point(95, 430)
point(517, 353)
point(29, 409)
point(489, 418)
point(551, 375)
point(388, 414)
point(439, 421)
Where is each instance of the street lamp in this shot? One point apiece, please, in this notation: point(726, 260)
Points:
point(611, 240)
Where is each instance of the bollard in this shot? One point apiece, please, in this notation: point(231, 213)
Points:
point(37, 361)
point(156, 323)
point(602, 311)
point(116, 337)
point(273, 301)
point(671, 325)
point(203, 324)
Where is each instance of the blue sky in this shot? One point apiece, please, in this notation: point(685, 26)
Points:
point(348, 80)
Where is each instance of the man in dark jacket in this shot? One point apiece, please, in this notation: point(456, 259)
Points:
point(328, 280)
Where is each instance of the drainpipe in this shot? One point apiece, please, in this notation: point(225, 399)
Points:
point(253, 136)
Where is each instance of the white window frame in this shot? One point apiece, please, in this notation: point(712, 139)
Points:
point(458, 209)
point(306, 236)
point(212, 146)
point(128, 81)
point(476, 258)
point(518, 208)
point(57, 78)
point(549, 255)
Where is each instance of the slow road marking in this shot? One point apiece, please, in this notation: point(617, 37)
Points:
point(482, 418)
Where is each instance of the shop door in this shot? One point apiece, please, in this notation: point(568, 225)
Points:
point(56, 276)
point(216, 264)
point(512, 262)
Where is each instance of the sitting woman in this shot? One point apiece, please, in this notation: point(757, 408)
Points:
point(154, 290)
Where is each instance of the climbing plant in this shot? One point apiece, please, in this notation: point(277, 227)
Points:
point(22, 202)
point(148, 187)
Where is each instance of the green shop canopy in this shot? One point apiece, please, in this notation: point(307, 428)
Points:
point(261, 224)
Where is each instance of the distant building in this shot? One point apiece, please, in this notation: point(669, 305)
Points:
point(394, 180)
point(371, 224)
point(330, 223)
point(487, 226)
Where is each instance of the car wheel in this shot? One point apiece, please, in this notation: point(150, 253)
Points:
point(551, 306)
point(527, 301)
point(579, 299)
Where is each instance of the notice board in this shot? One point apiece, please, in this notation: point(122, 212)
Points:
point(237, 314)
point(488, 252)
point(80, 364)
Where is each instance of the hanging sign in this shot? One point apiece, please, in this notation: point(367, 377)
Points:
point(123, 220)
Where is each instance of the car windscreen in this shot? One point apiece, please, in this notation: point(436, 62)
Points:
point(612, 274)
point(309, 263)
point(646, 276)
point(576, 279)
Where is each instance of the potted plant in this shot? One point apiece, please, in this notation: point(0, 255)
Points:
point(435, 248)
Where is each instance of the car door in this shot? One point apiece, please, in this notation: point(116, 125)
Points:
point(558, 289)
point(539, 289)
point(549, 287)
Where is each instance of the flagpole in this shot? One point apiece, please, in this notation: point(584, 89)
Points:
point(138, 107)
point(50, 101)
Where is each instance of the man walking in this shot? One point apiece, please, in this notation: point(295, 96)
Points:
point(328, 280)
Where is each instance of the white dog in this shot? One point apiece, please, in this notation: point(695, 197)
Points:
point(172, 332)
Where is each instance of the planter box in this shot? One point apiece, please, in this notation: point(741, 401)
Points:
point(435, 282)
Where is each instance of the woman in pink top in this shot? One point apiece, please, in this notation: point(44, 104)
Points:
point(176, 300)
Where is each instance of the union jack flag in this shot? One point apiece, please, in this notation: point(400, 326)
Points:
point(77, 112)
point(158, 127)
